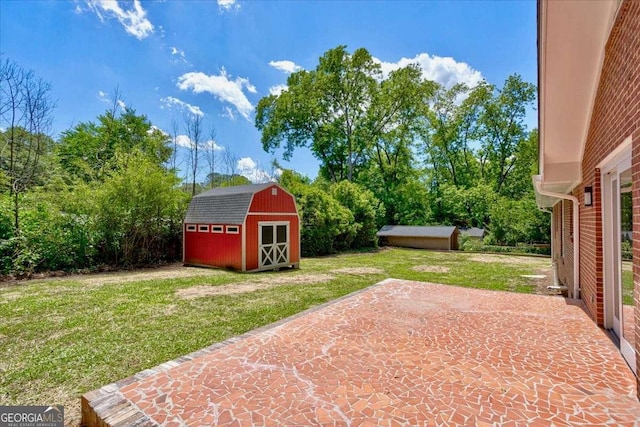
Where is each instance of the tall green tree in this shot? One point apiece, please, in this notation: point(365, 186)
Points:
point(324, 109)
point(339, 110)
point(503, 131)
point(88, 151)
point(26, 113)
point(451, 132)
point(525, 164)
point(401, 104)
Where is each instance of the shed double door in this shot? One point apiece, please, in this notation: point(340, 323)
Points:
point(273, 244)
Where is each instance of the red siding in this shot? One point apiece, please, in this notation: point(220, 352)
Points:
point(265, 201)
point(214, 249)
point(251, 225)
point(225, 250)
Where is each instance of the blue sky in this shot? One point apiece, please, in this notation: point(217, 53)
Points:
point(219, 58)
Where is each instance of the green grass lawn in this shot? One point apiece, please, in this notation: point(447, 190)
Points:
point(60, 338)
point(627, 287)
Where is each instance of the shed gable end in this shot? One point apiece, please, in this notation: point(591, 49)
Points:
point(273, 199)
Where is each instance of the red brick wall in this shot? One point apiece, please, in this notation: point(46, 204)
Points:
point(563, 250)
point(635, 165)
point(616, 116)
point(591, 289)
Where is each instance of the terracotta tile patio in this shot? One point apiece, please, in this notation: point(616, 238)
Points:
point(398, 353)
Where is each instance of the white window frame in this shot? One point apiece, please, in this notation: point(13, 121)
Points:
point(237, 229)
point(201, 228)
point(219, 229)
point(191, 228)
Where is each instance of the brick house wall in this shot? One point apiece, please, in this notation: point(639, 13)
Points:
point(563, 242)
point(615, 117)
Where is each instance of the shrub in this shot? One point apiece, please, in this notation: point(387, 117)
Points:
point(138, 213)
point(365, 208)
point(48, 239)
point(327, 226)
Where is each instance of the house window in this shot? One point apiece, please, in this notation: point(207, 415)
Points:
point(274, 191)
point(217, 229)
point(191, 227)
point(203, 228)
point(232, 229)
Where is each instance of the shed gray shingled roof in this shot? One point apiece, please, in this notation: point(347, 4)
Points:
point(225, 205)
point(473, 232)
point(416, 231)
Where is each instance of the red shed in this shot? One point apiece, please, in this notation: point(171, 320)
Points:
point(246, 227)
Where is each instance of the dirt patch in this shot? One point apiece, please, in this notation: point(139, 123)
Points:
point(431, 268)
point(540, 279)
point(246, 287)
point(58, 334)
point(501, 259)
point(209, 291)
point(10, 296)
point(359, 271)
point(169, 310)
point(297, 279)
point(119, 276)
point(72, 411)
point(174, 272)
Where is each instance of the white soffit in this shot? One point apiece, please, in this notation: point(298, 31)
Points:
point(571, 36)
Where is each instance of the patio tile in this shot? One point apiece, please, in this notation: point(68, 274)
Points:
point(400, 353)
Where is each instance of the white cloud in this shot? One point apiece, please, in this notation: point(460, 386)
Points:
point(286, 66)
point(171, 102)
point(183, 141)
point(444, 70)
point(227, 5)
point(134, 20)
point(248, 168)
point(227, 112)
point(186, 142)
point(212, 145)
point(247, 84)
point(277, 89)
point(178, 55)
point(176, 51)
point(155, 128)
point(222, 87)
point(104, 97)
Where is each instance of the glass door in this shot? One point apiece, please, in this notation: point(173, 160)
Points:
point(617, 212)
point(626, 263)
